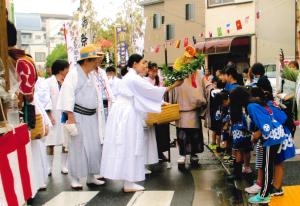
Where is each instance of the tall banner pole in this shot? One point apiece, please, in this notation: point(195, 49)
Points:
point(115, 48)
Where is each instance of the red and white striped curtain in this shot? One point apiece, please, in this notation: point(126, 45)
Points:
point(16, 180)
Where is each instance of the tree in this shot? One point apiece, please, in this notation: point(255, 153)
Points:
point(59, 52)
point(132, 17)
point(87, 11)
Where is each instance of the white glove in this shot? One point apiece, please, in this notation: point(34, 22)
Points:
point(71, 129)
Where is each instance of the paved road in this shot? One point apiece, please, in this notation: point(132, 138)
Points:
point(203, 186)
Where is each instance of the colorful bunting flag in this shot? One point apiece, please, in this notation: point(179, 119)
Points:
point(247, 19)
point(258, 14)
point(228, 28)
point(201, 35)
point(194, 40)
point(239, 25)
point(219, 31)
point(186, 42)
point(152, 49)
point(177, 45)
point(157, 49)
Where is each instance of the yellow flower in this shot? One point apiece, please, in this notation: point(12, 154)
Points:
point(178, 64)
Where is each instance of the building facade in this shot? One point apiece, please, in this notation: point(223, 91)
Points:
point(252, 31)
point(242, 31)
point(169, 21)
point(38, 34)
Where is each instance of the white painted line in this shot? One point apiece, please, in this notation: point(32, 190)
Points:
point(71, 198)
point(151, 198)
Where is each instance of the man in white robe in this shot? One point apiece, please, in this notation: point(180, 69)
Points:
point(78, 98)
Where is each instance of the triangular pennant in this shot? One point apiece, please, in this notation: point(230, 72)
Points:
point(152, 49)
point(157, 49)
point(219, 31)
point(239, 25)
point(258, 13)
point(228, 31)
point(201, 35)
point(186, 42)
point(247, 19)
point(194, 40)
point(177, 45)
point(228, 25)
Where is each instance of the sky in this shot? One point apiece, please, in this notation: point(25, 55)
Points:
point(104, 8)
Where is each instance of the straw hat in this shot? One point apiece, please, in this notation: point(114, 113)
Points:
point(88, 52)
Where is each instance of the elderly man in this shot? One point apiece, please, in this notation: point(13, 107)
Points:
point(78, 98)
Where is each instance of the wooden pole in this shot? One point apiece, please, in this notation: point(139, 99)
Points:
point(4, 54)
point(3, 42)
point(166, 55)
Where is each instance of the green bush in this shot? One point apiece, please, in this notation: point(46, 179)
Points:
point(59, 52)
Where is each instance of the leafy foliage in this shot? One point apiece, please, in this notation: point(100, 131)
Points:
point(170, 75)
point(59, 52)
point(130, 16)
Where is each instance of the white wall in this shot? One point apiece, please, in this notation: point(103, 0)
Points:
point(275, 29)
point(220, 16)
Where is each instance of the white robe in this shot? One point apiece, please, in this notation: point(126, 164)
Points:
point(55, 136)
point(41, 89)
point(38, 149)
point(101, 76)
point(151, 156)
point(114, 85)
point(123, 156)
point(84, 148)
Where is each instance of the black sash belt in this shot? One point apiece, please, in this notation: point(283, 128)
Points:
point(105, 103)
point(84, 111)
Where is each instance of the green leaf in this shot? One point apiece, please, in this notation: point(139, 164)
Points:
point(59, 52)
point(171, 76)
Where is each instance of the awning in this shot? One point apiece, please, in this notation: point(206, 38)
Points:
point(224, 45)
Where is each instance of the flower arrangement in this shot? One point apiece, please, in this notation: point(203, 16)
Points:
point(184, 66)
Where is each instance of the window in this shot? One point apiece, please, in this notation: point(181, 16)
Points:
point(38, 37)
point(170, 32)
point(40, 56)
point(189, 12)
point(212, 3)
point(156, 21)
point(26, 35)
point(162, 19)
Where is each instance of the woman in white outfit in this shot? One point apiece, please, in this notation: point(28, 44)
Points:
point(60, 68)
point(123, 156)
point(151, 155)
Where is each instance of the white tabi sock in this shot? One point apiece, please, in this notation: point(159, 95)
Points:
point(64, 163)
point(50, 164)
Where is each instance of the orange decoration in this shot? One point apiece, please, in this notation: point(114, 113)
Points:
point(190, 51)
